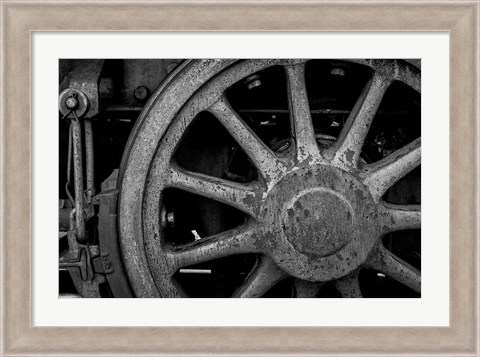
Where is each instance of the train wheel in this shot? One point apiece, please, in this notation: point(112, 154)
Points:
point(312, 213)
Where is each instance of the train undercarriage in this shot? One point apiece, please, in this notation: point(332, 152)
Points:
point(260, 178)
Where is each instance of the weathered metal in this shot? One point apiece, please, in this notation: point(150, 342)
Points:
point(255, 285)
point(349, 286)
point(111, 259)
point(253, 81)
point(306, 144)
point(385, 261)
point(64, 219)
point(73, 100)
point(89, 160)
point(77, 261)
point(347, 149)
point(74, 104)
point(314, 214)
point(141, 93)
point(84, 78)
point(78, 180)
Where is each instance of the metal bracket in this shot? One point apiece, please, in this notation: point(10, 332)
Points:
point(103, 264)
point(78, 261)
point(109, 246)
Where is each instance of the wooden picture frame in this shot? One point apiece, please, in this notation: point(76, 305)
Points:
point(20, 19)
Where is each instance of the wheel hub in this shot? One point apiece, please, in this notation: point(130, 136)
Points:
point(324, 222)
point(318, 222)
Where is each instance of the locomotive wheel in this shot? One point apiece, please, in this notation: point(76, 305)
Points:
point(314, 214)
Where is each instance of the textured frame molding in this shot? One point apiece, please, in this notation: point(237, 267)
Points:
point(20, 18)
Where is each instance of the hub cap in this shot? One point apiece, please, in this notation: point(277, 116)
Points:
point(321, 223)
point(318, 222)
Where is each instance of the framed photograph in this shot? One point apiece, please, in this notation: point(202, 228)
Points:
point(221, 151)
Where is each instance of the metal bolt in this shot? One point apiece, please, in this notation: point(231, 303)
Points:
point(107, 262)
point(171, 219)
point(167, 218)
point(337, 71)
point(71, 102)
point(253, 81)
point(141, 93)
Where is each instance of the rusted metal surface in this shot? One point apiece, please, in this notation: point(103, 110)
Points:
point(349, 286)
point(264, 276)
point(262, 156)
point(74, 104)
point(89, 159)
point(78, 179)
point(383, 260)
point(306, 142)
point(347, 149)
point(399, 217)
point(315, 214)
point(73, 100)
point(141, 93)
point(145, 73)
point(77, 260)
point(111, 259)
point(306, 289)
point(85, 77)
point(64, 219)
point(394, 70)
point(319, 223)
point(381, 175)
point(110, 183)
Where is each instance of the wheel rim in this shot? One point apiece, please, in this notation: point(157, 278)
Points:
point(293, 234)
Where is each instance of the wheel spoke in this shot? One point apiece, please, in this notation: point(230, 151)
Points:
point(264, 276)
point(300, 113)
point(350, 141)
point(386, 262)
point(232, 242)
point(237, 195)
point(381, 175)
point(400, 217)
point(306, 289)
point(349, 286)
point(261, 155)
point(169, 288)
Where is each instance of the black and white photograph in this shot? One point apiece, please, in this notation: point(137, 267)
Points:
point(239, 178)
